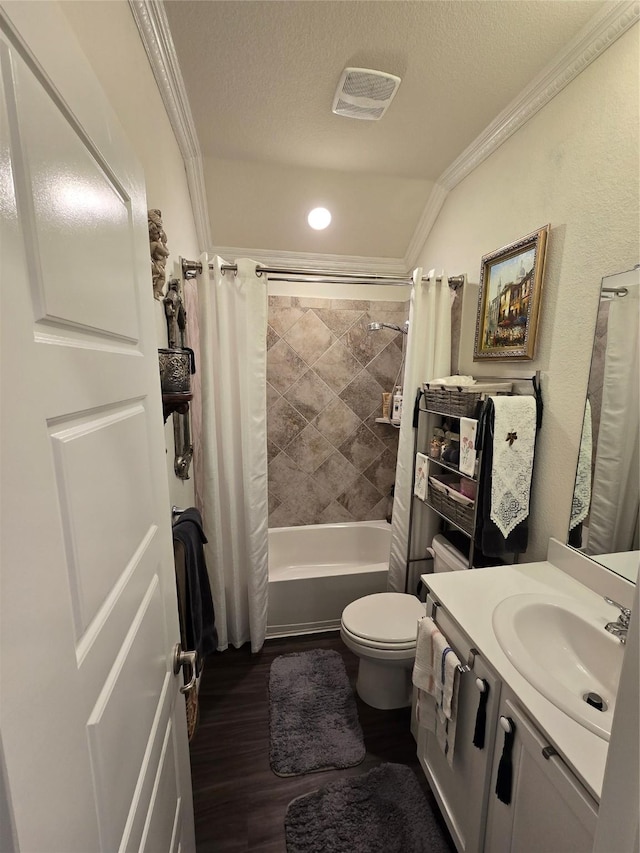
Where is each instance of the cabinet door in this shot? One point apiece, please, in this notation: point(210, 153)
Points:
point(461, 790)
point(549, 808)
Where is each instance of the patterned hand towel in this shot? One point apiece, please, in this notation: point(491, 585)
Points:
point(514, 436)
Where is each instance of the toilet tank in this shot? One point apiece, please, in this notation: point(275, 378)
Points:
point(446, 557)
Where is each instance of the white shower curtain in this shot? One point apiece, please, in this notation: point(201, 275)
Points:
point(428, 357)
point(232, 487)
point(613, 519)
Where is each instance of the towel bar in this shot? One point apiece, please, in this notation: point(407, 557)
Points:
point(473, 653)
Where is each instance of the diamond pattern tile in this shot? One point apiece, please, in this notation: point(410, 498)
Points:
point(309, 449)
point(360, 499)
point(272, 337)
point(365, 345)
point(309, 337)
point(284, 366)
point(337, 366)
point(337, 421)
point(382, 472)
point(284, 423)
point(336, 474)
point(335, 513)
point(272, 395)
point(338, 320)
point(362, 448)
point(285, 478)
point(363, 395)
point(385, 366)
point(309, 394)
point(283, 316)
point(329, 462)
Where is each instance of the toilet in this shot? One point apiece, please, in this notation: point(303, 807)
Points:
point(446, 557)
point(381, 630)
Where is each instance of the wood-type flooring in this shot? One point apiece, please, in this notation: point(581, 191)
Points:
point(239, 802)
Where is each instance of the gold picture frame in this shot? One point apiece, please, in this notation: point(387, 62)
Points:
point(511, 281)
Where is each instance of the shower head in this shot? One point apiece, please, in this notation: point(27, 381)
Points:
point(374, 327)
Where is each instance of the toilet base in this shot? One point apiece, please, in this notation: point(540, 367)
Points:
point(384, 686)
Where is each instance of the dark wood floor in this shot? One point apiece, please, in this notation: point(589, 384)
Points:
point(239, 802)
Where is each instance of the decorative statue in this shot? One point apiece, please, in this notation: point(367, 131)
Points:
point(175, 313)
point(159, 251)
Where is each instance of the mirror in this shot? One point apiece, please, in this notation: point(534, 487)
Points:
point(604, 522)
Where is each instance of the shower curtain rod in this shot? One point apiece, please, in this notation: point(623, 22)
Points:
point(190, 268)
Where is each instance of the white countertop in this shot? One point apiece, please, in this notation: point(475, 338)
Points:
point(470, 598)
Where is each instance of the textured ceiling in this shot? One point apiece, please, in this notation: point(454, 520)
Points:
point(260, 78)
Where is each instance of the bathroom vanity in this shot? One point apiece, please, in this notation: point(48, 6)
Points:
point(521, 630)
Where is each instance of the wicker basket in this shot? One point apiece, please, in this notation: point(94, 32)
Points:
point(460, 402)
point(448, 503)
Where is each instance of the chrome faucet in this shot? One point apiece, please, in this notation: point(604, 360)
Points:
point(620, 627)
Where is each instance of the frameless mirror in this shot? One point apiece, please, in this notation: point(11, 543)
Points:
point(604, 521)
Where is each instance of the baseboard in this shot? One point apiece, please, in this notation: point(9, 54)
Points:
point(297, 630)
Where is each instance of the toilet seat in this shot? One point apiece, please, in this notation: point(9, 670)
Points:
point(378, 644)
point(385, 620)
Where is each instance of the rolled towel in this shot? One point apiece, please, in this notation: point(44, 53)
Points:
point(457, 380)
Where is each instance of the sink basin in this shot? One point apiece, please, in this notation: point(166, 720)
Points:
point(562, 649)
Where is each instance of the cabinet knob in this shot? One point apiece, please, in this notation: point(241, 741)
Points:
point(506, 724)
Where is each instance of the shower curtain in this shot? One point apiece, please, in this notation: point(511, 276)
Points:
point(613, 520)
point(231, 482)
point(428, 357)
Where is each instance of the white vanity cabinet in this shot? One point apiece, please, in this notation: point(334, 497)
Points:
point(549, 810)
point(462, 790)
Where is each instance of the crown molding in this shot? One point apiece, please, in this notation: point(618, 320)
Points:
point(594, 38)
point(153, 26)
point(426, 222)
point(598, 34)
point(315, 260)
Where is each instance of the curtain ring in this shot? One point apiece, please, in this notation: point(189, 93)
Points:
point(258, 272)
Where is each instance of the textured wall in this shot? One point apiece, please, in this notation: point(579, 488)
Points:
point(575, 165)
point(329, 461)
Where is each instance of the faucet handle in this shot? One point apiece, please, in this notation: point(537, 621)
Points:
point(625, 613)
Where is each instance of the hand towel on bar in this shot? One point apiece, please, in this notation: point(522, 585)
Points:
point(514, 435)
point(468, 428)
point(436, 675)
point(447, 702)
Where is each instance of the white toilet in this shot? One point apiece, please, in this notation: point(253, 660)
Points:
point(381, 629)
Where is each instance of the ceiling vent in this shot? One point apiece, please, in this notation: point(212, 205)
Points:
point(364, 93)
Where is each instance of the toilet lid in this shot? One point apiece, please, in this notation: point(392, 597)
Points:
point(386, 617)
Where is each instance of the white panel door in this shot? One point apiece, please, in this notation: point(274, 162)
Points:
point(92, 722)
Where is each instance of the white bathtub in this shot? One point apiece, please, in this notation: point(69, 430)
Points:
point(316, 570)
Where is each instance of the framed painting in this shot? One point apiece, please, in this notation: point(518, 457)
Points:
point(509, 301)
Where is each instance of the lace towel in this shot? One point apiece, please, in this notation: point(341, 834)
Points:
point(514, 434)
point(582, 489)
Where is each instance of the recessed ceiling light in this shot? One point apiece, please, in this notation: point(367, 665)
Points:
point(319, 218)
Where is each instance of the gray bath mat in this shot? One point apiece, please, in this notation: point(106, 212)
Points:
point(313, 715)
point(382, 811)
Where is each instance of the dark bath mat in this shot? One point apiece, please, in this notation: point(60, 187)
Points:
point(382, 811)
point(313, 716)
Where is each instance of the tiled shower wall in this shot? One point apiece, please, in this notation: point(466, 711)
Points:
point(329, 461)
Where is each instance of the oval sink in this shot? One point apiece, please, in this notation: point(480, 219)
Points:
point(562, 649)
